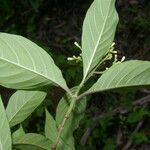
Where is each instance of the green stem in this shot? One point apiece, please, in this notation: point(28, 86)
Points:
point(83, 95)
point(71, 107)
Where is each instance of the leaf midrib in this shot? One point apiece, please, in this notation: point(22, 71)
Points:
point(33, 71)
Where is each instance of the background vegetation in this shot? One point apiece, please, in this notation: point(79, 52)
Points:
point(112, 121)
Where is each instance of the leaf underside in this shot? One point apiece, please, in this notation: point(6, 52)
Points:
point(22, 104)
point(98, 33)
point(25, 65)
point(129, 74)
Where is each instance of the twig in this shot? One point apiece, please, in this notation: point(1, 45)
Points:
point(119, 137)
point(129, 143)
point(142, 101)
point(85, 136)
point(145, 91)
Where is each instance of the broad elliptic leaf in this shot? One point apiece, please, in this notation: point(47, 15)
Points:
point(50, 127)
point(22, 104)
point(72, 122)
point(37, 141)
point(98, 33)
point(5, 135)
point(25, 65)
point(129, 74)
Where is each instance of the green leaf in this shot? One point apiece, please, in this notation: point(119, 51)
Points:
point(73, 121)
point(98, 33)
point(137, 115)
point(18, 133)
point(31, 139)
point(50, 127)
point(5, 135)
point(109, 144)
point(25, 65)
point(130, 74)
point(22, 104)
point(139, 137)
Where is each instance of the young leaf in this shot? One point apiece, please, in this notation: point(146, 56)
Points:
point(50, 127)
point(22, 104)
point(130, 74)
point(39, 142)
point(73, 121)
point(5, 135)
point(25, 65)
point(98, 33)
